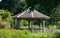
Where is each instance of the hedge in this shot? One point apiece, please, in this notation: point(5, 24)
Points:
point(12, 33)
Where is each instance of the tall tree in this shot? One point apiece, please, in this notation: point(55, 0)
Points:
point(11, 5)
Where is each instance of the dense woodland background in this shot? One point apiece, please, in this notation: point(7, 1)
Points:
point(50, 8)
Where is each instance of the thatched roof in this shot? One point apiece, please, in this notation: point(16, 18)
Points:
point(31, 15)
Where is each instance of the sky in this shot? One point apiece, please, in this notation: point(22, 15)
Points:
point(0, 0)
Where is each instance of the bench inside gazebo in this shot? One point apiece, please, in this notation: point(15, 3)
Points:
point(29, 15)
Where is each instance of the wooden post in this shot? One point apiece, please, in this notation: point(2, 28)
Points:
point(41, 27)
point(18, 23)
point(29, 26)
point(47, 24)
point(44, 25)
point(13, 23)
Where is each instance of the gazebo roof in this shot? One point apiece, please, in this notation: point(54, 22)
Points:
point(28, 14)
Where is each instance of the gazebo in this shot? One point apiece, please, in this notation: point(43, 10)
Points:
point(29, 15)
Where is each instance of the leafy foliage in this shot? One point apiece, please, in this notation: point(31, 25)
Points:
point(43, 6)
point(2, 26)
point(35, 22)
point(8, 33)
point(24, 22)
point(5, 15)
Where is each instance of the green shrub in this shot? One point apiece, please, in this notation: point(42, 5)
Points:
point(15, 34)
point(8, 33)
point(5, 15)
point(24, 22)
point(4, 26)
point(56, 34)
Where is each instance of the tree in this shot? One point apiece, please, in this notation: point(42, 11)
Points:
point(14, 6)
point(55, 15)
point(5, 15)
point(17, 6)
